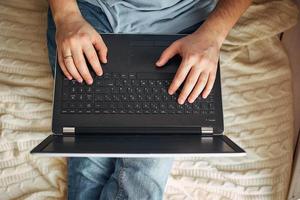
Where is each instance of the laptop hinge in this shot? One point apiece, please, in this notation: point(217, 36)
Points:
point(207, 130)
point(68, 130)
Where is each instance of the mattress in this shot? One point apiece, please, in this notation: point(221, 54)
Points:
point(257, 101)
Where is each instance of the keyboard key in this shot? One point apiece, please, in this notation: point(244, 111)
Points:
point(132, 76)
point(130, 90)
point(115, 90)
point(132, 97)
point(108, 82)
point(155, 90)
point(80, 104)
point(126, 82)
point(159, 83)
point(98, 105)
point(141, 97)
point(146, 105)
point(73, 89)
point(88, 111)
point(134, 83)
point(151, 83)
point(89, 105)
point(122, 90)
point(143, 83)
point(72, 97)
point(89, 97)
point(124, 76)
point(116, 97)
point(99, 82)
point(89, 89)
point(172, 106)
point(72, 111)
point(73, 82)
point(104, 90)
point(116, 75)
point(80, 110)
point(65, 96)
point(65, 105)
point(107, 75)
point(72, 105)
point(139, 90)
point(157, 98)
point(99, 97)
point(107, 97)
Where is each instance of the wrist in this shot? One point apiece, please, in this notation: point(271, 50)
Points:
point(215, 33)
point(65, 17)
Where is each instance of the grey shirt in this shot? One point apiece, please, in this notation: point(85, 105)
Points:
point(154, 16)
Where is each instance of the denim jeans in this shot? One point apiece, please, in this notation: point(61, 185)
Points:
point(111, 178)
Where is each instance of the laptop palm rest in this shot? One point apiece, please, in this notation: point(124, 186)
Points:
point(114, 145)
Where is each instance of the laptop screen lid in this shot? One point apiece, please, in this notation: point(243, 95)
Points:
point(114, 145)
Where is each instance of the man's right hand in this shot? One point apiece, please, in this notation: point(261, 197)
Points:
point(76, 38)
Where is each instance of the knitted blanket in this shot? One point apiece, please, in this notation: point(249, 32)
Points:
point(257, 100)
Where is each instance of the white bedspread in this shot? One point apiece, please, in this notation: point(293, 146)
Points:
point(257, 100)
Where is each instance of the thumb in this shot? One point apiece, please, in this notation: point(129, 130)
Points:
point(167, 54)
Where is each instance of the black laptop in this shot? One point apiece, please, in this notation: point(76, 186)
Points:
point(127, 112)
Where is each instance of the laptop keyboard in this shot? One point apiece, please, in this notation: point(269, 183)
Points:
point(128, 93)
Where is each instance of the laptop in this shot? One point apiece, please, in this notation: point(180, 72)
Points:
point(127, 112)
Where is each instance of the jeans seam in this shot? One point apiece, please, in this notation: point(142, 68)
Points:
point(120, 192)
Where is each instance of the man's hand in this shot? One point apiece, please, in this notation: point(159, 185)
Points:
point(76, 38)
point(199, 52)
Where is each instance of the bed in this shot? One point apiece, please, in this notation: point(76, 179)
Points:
point(257, 100)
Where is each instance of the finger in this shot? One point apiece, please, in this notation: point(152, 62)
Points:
point(167, 54)
point(180, 75)
point(189, 84)
point(92, 57)
point(81, 65)
point(69, 63)
point(101, 48)
point(198, 87)
point(209, 85)
point(62, 65)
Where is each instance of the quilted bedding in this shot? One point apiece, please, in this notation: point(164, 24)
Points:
point(257, 100)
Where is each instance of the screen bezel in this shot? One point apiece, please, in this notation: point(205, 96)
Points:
point(40, 149)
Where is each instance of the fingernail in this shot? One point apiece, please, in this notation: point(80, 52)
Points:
point(180, 101)
point(69, 77)
point(90, 81)
point(80, 80)
point(170, 92)
point(158, 62)
point(99, 74)
point(191, 100)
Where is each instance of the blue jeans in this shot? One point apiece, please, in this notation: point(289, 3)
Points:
point(111, 178)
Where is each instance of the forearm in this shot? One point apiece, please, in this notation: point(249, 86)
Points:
point(62, 9)
point(223, 18)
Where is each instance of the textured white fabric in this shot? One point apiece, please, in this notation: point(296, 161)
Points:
point(257, 100)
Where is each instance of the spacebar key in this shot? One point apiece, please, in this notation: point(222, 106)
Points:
point(158, 76)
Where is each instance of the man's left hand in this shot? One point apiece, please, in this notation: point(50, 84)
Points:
point(200, 53)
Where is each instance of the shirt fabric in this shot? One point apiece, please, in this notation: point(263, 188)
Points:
point(154, 16)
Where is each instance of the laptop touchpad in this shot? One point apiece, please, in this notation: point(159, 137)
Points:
point(146, 53)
